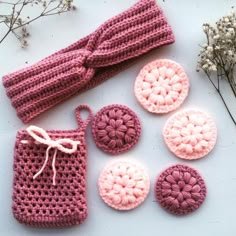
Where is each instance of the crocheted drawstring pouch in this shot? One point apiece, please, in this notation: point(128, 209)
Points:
point(88, 62)
point(49, 186)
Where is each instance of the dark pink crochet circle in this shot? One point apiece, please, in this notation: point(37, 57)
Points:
point(116, 129)
point(180, 189)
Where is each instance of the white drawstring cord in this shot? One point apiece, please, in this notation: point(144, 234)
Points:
point(41, 136)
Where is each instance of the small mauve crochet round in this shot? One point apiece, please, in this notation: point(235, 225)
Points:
point(180, 189)
point(124, 185)
point(116, 129)
point(161, 86)
point(190, 134)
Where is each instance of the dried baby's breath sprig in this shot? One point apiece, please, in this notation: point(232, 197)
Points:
point(217, 57)
point(16, 21)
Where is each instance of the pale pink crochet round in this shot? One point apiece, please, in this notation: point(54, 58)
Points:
point(116, 129)
point(161, 86)
point(190, 134)
point(124, 185)
point(180, 189)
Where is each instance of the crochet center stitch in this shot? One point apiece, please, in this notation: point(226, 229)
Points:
point(123, 185)
point(161, 86)
point(190, 134)
point(116, 129)
point(180, 189)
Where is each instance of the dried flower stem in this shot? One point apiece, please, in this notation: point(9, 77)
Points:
point(217, 88)
point(15, 21)
point(218, 54)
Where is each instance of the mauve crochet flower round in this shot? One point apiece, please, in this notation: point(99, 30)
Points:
point(161, 86)
point(124, 185)
point(190, 134)
point(116, 129)
point(180, 189)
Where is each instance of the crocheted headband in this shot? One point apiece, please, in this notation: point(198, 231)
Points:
point(88, 62)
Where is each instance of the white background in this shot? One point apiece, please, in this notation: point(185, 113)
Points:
point(218, 213)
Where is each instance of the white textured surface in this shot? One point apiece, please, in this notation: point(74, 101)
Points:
point(217, 215)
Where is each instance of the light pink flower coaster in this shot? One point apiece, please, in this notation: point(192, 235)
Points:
point(124, 184)
point(161, 86)
point(180, 189)
point(190, 134)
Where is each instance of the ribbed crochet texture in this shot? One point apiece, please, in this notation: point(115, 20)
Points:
point(88, 62)
point(37, 202)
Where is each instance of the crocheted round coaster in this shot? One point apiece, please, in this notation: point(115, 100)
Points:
point(124, 185)
point(180, 189)
point(116, 129)
point(190, 134)
point(161, 86)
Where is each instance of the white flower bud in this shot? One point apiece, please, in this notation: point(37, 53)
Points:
point(226, 19)
point(213, 68)
point(228, 35)
point(231, 14)
point(205, 29)
point(210, 49)
point(217, 36)
point(231, 31)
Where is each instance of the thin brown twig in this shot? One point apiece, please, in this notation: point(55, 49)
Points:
point(9, 30)
point(8, 3)
point(14, 20)
point(18, 14)
point(53, 9)
point(222, 98)
point(51, 14)
point(44, 13)
point(16, 35)
point(12, 3)
point(219, 54)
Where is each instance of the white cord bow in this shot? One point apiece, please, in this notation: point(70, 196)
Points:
point(41, 136)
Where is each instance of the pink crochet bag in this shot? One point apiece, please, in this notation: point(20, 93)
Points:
point(49, 186)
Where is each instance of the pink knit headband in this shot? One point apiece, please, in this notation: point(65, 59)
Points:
point(88, 62)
